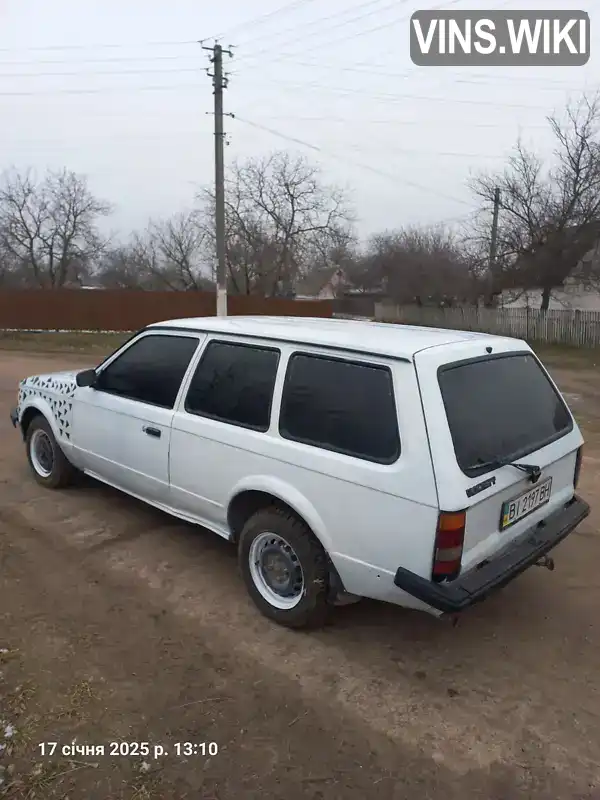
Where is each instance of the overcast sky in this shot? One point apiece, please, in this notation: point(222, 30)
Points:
point(117, 90)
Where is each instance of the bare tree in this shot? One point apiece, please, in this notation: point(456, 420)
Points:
point(417, 265)
point(9, 267)
point(168, 254)
point(178, 248)
point(550, 215)
point(49, 227)
point(119, 269)
point(279, 213)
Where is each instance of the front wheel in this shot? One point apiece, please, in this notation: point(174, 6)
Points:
point(285, 569)
point(48, 463)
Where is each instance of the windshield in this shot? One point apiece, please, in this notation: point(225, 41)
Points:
point(500, 408)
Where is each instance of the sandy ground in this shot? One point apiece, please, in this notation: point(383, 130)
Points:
point(119, 624)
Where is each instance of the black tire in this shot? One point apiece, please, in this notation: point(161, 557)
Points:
point(313, 608)
point(60, 471)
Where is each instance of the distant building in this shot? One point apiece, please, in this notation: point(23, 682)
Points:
point(321, 285)
point(580, 292)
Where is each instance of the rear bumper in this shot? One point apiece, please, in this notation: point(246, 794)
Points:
point(479, 583)
point(14, 417)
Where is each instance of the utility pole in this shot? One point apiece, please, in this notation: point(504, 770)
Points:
point(219, 84)
point(494, 239)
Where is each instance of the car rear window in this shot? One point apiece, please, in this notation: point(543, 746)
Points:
point(500, 408)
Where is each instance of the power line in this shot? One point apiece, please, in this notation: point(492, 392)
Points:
point(103, 90)
point(197, 69)
point(110, 60)
point(194, 132)
point(262, 18)
point(351, 36)
point(400, 122)
point(335, 155)
point(405, 151)
point(391, 98)
point(497, 6)
point(408, 73)
point(321, 20)
point(119, 136)
point(400, 97)
point(115, 45)
point(448, 123)
point(175, 42)
point(331, 42)
point(119, 72)
point(473, 80)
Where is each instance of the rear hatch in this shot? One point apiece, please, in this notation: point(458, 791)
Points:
point(489, 404)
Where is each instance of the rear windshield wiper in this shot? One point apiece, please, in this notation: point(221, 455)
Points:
point(530, 469)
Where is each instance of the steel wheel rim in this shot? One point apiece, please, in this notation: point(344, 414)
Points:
point(276, 571)
point(42, 453)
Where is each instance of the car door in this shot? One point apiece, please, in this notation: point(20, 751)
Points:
point(219, 429)
point(122, 424)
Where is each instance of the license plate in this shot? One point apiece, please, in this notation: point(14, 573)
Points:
point(514, 510)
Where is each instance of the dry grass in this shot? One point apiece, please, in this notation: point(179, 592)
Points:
point(27, 774)
point(567, 356)
point(80, 695)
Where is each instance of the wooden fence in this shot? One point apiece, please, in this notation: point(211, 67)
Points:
point(129, 310)
point(578, 328)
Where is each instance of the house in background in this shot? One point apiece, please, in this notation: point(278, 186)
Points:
point(324, 284)
point(573, 296)
point(578, 293)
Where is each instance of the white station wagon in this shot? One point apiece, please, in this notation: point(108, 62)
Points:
point(345, 459)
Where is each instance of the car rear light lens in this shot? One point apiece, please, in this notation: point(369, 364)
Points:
point(578, 461)
point(449, 542)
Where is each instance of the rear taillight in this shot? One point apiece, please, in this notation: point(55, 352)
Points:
point(578, 461)
point(449, 540)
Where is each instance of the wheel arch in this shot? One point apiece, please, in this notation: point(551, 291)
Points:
point(263, 491)
point(37, 407)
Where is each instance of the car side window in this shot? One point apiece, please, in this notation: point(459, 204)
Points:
point(150, 370)
point(234, 383)
point(340, 405)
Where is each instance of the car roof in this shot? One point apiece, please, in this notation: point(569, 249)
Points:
point(364, 336)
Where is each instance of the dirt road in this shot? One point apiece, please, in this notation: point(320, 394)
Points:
point(118, 624)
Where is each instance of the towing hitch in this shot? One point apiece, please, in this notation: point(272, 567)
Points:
point(546, 561)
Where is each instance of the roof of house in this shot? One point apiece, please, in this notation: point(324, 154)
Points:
point(311, 284)
point(377, 338)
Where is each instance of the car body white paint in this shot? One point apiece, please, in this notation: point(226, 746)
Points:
point(371, 518)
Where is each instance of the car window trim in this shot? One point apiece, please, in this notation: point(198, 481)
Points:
point(331, 448)
point(144, 334)
point(106, 362)
point(214, 417)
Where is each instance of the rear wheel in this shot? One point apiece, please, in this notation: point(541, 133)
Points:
point(285, 569)
point(48, 463)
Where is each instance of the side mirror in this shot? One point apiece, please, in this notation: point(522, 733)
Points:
point(86, 378)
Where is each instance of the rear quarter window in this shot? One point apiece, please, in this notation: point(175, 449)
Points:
point(500, 407)
point(340, 405)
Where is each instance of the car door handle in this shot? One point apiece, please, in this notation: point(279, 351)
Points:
point(151, 431)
